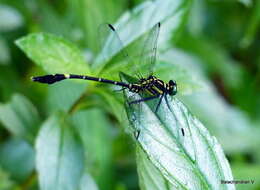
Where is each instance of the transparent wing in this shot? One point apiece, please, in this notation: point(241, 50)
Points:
point(149, 50)
point(111, 46)
point(115, 54)
point(135, 109)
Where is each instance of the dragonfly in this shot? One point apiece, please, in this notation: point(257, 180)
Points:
point(155, 87)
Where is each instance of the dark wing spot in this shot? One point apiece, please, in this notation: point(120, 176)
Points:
point(182, 131)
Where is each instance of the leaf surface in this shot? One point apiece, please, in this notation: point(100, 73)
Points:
point(20, 117)
point(54, 54)
point(59, 156)
point(179, 146)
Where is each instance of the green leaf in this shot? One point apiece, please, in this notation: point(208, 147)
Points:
point(179, 146)
point(54, 23)
point(150, 177)
point(59, 155)
point(62, 96)
point(214, 59)
point(94, 130)
point(17, 153)
point(223, 119)
point(108, 11)
point(247, 3)
point(11, 19)
point(195, 90)
point(112, 101)
point(54, 54)
point(144, 17)
point(20, 117)
point(181, 67)
point(88, 183)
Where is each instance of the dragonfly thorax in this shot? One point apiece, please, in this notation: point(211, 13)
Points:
point(154, 86)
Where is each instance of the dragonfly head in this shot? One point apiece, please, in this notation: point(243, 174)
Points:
point(172, 88)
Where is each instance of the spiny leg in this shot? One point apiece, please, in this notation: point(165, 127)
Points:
point(120, 89)
point(168, 105)
point(143, 99)
point(136, 114)
point(159, 103)
point(138, 131)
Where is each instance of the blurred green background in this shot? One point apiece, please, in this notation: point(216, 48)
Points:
point(214, 48)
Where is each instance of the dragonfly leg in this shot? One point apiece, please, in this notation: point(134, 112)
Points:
point(159, 103)
point(120, 89)
point(167, 103)
point(143, 99)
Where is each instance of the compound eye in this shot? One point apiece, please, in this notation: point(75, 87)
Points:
point(172, 83)
point(173, 87)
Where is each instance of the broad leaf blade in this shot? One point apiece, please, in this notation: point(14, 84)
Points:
point(193, 161)
point(59, 156)
point(220, 117)
point(179, 66)
point(88, 183)
point(64, 95)
point(214, 59)
point(94, 131)
point(149, 176)
point(20, 117)
point(11, 19)
point(17, 153)
point(54, 54)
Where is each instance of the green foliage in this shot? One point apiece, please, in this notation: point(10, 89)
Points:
point(53, 54)
point(74, 134)
point(62, 152)
point(17, 153)
point(179, 146)
point(94, 131)
point(10, 18)
point(6, 183)
point(20, 117)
